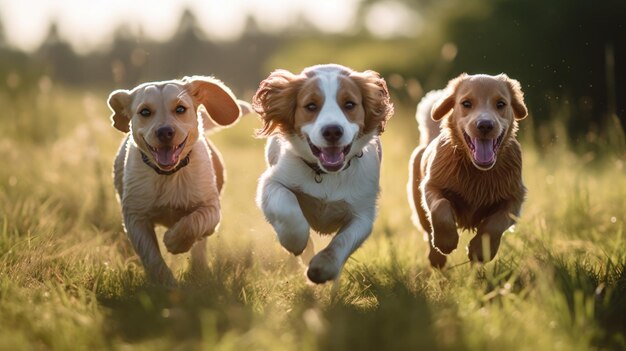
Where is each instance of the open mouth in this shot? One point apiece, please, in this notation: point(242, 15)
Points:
point(331, 158)
point(484, 151)
point(166, 157)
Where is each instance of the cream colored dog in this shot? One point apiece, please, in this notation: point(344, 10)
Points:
point(166, 172)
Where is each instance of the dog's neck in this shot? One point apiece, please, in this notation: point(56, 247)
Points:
point(319, 171)
point(184, 162)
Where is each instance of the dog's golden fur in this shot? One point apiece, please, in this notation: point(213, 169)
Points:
point(456, 182)
point(166, 172)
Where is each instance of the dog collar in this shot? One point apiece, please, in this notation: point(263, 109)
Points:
point(181, 164)
point(319, 171)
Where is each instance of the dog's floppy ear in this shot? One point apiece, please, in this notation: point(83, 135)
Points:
point(216, 98)
point(119, 102)
point(517, 97)
point(446, 102)
point(443, 105)
point(376, 101)
point(275, 101)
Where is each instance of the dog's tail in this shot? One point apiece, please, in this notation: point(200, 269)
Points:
point(245, 107)
point(429, 129)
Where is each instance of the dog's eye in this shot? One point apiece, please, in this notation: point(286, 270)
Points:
point(311, 107)
point(466, 104)
point(145, 112)
point(500, 104)
point(180, 109)
point(349, 105)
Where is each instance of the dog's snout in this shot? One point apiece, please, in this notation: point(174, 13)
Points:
point(485, 125)
point(332, 133)
point(165, 134)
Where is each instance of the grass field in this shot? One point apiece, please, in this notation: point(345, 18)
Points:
point(70, 280)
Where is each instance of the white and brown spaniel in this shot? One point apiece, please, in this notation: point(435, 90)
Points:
point(324, 157)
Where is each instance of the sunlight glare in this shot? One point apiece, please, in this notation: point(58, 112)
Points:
point(88, 25)
point(221, 20)
point(390, 18)
point(331, 16)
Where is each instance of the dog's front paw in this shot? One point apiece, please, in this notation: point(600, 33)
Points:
point(436, 258)
point(177, 240)
point(294, 236)
point(323, 267)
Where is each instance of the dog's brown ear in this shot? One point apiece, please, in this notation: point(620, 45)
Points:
point(275, 101)
point(376, 100)
point(446, 102)
point(119, 102)
point(517, 97)
point(443, 105)
point(216, 98)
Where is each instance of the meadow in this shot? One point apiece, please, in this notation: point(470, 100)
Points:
point(70, 280)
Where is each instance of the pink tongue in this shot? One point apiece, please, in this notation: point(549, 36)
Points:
point(166, 156)
point(332, 156)
point(484, 152)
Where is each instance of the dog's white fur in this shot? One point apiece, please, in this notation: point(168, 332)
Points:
point(343, 200)
point(187, 201)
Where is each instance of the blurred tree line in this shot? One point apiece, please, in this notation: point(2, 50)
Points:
point(569, 55)
point(131, 59)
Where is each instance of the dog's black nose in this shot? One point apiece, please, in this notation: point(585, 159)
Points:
point(332, 133)
point(485, 125)
point(165, 134)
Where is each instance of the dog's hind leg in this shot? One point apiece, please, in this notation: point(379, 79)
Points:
point(419, 217)
point(444, 235)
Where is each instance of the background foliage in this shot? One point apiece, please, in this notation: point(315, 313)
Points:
point(566, 54)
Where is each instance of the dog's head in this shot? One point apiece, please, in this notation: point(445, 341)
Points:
point(163, 117)
point(481, 114)
point(327, 112)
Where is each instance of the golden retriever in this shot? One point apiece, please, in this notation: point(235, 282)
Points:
point(324, 157)
point(467, 170)
point(166, 172)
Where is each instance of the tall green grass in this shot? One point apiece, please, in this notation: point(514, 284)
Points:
point(70, 280)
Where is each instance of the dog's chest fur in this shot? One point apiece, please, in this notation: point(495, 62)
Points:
point(476, 194)
point(165, 199)
point(325, 217)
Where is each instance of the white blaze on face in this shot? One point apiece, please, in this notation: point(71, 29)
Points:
point(330, 113)
point(330, 134)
